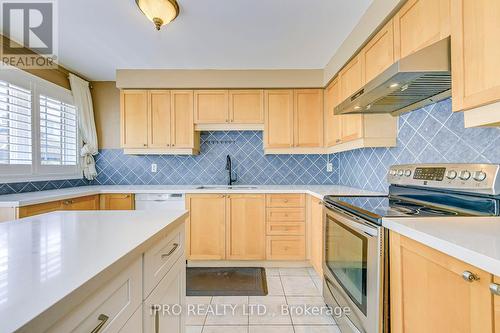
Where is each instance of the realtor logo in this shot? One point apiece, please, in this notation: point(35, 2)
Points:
point(30, 27)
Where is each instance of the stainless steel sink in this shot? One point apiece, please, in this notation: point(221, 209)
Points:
point(224, 187)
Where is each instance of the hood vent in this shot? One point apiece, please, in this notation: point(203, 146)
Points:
point(417, 80)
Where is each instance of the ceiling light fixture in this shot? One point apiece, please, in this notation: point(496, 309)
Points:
point(160, 12)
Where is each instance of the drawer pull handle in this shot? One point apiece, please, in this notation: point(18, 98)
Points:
point(285, 201)
point(176, 245)
point(495, 289)
point(103, 319)
point(469, 276)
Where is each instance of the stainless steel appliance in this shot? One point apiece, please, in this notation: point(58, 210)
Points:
point(419, 79)
point(356, 250)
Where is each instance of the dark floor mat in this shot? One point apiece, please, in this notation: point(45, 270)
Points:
point(226, 281)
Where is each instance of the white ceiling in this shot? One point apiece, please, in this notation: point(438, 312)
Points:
point(96, 37)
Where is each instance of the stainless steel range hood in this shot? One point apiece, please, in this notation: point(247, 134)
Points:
point(419, 79)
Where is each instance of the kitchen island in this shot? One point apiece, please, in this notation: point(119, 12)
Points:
point(66, 270)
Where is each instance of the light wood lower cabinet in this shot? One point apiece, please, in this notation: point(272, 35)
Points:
point(41, 208)
point(316, 220)
point(496, 303)
point(429, 292)
point(286, 248)
point(245, 227)
point(90, 202)
point(117, 201)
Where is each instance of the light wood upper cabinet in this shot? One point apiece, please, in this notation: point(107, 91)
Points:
point(246, 106)
point(278, 125)
point(316, 217)
point(206, 227)
point(475, 49)
point(183, 135)
point(378, 54)
point(134, 106)
point(429, 294)
point(308, 117)
point(117, 201)
point(159, 128)
point(211, 106)
point(246, 227)
point(352, 127)
point(332, 122)
point(351, 78)
point(420, 23)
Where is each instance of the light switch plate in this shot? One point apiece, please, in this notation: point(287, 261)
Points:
point(329, 167)
point(154, 167)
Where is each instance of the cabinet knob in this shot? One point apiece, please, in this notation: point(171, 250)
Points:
point(145, 144)
point(173, 145)
point(495, 289)
point(285, 201)
point(469, 276)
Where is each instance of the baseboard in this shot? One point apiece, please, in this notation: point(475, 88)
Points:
point(248, 263)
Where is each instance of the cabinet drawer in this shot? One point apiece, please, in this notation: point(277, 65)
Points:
point(110, 306)
point(286, 248)
point(158, 260)
point(286, 214)
point(285, 200)
point(41, 208)
point(286, 228)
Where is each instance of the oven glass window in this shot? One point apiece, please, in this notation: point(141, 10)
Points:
point(346, 257)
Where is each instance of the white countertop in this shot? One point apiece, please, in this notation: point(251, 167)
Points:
point(30, 198)
point(474, 240)
point(46, 257)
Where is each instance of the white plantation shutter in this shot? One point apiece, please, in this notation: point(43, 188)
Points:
point(58, 132)
point(15, 125)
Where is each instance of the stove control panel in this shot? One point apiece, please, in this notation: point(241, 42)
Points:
point(479, 178)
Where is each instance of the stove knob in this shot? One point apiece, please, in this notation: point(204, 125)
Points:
point(464, 175)
point(392, 172)
point(452, 174)
point(408, 173)
point(479, 176)
point(400, 172)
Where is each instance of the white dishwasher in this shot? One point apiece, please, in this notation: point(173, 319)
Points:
point(163, 201)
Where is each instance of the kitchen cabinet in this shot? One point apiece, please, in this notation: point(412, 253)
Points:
point(41, 208)
point(158, 122)
point(420, 23)
point(378, 53)
point(278, 125)
point(316, 221)
point(496, 304)
point(286, 248)
point(308, 118)
point(90, 202)
point(351, 78)
point(475, 51)
point(206, 227)
point(333, 122)
point(245, 227)
point(170, 291)
point(211, 106)
point(117, 201)
point(134, 117)
point(430, 293)
point(246, 106)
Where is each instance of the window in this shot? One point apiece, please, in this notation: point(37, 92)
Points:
point(38, 129)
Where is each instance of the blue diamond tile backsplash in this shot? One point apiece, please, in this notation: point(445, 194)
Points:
point(433, 134)
point(250, 165)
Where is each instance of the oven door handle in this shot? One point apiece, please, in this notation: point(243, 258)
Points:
point(352, 221)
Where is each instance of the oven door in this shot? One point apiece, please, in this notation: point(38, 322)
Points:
point(352, 269)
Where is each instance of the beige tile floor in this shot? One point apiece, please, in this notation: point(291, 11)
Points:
point(292, 286)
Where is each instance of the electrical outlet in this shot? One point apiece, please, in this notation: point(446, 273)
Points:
point(154, 167)
point(329, 167)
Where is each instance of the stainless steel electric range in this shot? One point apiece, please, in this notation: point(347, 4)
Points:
point(356, 254)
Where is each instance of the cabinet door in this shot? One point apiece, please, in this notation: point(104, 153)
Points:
point(90, 202)
point(205, 233)
point(351, 78)
point(278, 115)
point(378, 54)
point(308, 118)
point(41, 208)
point(475, 53)
point(159, 119)
point(332, 122)
point(169, 292)
point(420, 23)
point(352, 127)
point(317, 235)
point(429, 293)
point(134, 118)
point(118, 201)
point(182, 119)
point(211, 106)
point(246, 106)
point(246, 227)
